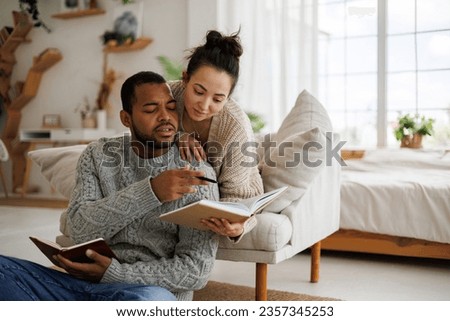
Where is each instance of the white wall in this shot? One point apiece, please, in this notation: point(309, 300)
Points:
point(174, 25)
point(65, 84)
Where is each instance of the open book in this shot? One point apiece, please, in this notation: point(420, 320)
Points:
point(191, 215)
point(75, 253)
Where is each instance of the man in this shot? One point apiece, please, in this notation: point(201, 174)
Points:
point(122, 187)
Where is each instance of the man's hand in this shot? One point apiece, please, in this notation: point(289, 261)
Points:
point(87, 271)
point(173, 184)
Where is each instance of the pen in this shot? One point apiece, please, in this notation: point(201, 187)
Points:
point(206, 179)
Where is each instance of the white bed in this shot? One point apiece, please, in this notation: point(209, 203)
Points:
point(395, 202)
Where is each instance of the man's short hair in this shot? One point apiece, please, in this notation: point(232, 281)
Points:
point(127, 93)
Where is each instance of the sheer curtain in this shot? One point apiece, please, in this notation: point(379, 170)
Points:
point(280, 53)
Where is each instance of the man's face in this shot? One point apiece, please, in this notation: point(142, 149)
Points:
point(154, 120)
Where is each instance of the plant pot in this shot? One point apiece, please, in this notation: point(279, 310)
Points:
point(412, 141)
point(89, 122)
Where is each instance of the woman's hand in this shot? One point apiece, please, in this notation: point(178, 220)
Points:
point(224, 227)
point(188, 146)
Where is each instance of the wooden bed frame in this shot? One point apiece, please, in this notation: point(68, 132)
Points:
point(365, 242)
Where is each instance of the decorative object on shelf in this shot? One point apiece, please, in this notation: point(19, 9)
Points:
point(127, 25)
point(89, 121)
point(30, 6)
point(410, 130)
point(88, 114)
point(90, 4)
point(51, 121)
point(71, 5)
point(83, 9)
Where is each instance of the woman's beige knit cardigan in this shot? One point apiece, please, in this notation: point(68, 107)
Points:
point(230, 148)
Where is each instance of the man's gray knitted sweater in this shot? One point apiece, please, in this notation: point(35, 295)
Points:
point(113, 199)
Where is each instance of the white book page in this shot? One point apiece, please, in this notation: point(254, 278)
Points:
point(255, 203)
point(236, 207)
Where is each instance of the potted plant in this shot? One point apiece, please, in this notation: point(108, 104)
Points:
point(172, 70)
point(87, 113)
point(410, 130)
point(31, 7)
point(257, 122)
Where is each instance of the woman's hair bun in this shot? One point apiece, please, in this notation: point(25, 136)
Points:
point(227, 44)
point(219, 51)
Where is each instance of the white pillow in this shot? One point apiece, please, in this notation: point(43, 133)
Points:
point(58, 165)
point(299, 153)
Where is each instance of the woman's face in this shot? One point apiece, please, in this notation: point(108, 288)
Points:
point(206, 92)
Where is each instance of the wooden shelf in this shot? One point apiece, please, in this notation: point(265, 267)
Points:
point(79, 13)
point(19, 35)
point(138, 44)
point(44, 61)
point(17, 96)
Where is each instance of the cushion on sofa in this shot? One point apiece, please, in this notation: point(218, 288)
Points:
point(58, 165)
point(273, 232)
point(299, 151)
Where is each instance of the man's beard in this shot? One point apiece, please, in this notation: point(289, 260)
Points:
point(149, 141)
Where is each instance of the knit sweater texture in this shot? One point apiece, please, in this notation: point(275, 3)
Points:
point(113, 199)
point(231, 149)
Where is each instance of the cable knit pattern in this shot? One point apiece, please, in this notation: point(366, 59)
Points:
point(235, 164)
point(113, 199)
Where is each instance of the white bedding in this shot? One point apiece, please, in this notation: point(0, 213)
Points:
point(398, 192)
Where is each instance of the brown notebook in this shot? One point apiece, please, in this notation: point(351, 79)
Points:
point(75, 253)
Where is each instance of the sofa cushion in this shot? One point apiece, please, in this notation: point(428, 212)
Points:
point(299, 151)
point(272, 233)
point(58, 165)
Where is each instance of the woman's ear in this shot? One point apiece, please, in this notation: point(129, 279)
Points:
point(185, 77)
point(125, 118)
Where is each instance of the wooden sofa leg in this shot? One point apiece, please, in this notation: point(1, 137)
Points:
point(315, 262)
point(261, 282)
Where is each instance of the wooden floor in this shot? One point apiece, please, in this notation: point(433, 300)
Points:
point(33, 202)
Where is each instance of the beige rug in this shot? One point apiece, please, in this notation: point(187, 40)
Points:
point(217, 291)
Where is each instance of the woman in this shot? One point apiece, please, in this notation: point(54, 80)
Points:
point(217, 123)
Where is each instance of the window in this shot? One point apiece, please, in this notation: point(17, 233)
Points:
point(400, 45)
